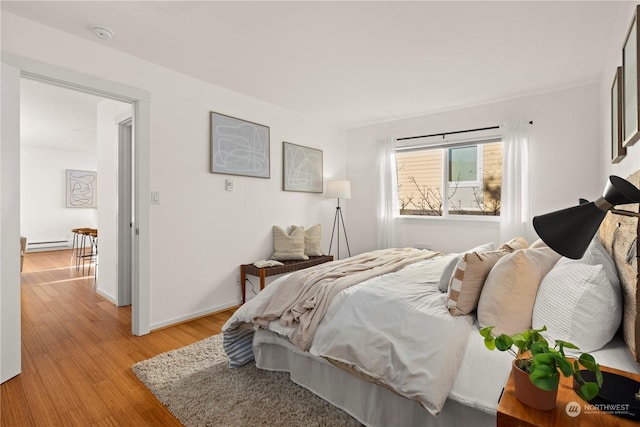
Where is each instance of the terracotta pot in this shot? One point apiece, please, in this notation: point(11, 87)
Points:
point(530, 394)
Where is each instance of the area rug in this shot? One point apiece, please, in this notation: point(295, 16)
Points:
point(199, 389)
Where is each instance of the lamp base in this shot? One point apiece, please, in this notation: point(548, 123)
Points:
point(618, 396)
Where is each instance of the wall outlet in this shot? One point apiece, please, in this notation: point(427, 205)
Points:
point(237, 280)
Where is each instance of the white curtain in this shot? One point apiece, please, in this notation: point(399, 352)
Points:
point(514, 210)
point(387, 203)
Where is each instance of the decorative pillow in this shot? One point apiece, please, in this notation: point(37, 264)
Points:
point(311, 240)
point(448, 270)
point(509, 292)
point(578, 304)
point(468, 279)
point(538, 244)
point(288, 247)
point(514, 244)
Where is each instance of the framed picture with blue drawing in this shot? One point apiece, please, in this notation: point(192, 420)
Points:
point(302, 168)
point(239, 147)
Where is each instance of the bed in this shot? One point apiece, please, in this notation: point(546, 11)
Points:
point(396, 341)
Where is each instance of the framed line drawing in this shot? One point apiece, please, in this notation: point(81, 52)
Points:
point(630, 86)
point(302, 168)
point(617, 150)
point(239, 147)
point(81, 189)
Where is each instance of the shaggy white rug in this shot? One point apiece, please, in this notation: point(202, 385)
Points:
point(198, 387)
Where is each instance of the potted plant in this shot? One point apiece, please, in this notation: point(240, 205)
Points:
point(537, 363)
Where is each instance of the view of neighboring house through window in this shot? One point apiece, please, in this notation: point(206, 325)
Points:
point(450, 179)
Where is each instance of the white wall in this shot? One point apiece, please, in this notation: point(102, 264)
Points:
point(200, 233)
point(43, 212)
point(631, 162)
point(564, 160)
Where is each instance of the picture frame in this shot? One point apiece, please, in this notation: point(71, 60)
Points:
point(302, 168)
point(239, 147)
point(618, 151)
point(630, 86)
point(81, 189)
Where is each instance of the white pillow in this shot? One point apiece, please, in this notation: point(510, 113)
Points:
point(597, 254)
point(288, 246)
point(578, 304)
point(449, 269)
point(311, 240)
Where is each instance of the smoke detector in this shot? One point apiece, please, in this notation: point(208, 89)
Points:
point(102, 33)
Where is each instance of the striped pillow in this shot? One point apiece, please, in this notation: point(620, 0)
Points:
point(468, 279)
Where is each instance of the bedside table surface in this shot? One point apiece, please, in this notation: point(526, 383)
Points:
point(513, 413)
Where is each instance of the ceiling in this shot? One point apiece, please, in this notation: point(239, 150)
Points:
point(354, 63)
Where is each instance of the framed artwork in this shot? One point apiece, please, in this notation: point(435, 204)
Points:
point(302, 169)
point(630, 87)
point(239, 147)
point(618, 151)
point(81, 189)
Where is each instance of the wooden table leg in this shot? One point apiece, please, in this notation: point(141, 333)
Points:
point(262, 276)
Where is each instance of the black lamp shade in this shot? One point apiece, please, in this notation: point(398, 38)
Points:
point(569, 231)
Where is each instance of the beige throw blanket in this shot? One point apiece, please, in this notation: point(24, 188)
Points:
point(302, 299)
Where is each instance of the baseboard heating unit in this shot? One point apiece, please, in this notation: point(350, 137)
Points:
point(51, 245)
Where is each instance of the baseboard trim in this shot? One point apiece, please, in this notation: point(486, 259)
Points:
point(189, 317)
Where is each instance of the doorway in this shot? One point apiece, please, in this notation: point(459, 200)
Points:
point(68, 130)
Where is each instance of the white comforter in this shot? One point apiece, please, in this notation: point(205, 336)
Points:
point(394, 328)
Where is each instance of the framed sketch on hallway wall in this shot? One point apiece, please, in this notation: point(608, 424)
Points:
point(302, 168)
point(81, 189)
point(239, 147)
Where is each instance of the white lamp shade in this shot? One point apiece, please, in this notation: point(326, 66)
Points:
point(338, 189)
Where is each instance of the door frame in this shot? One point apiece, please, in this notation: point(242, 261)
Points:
point(140, 101)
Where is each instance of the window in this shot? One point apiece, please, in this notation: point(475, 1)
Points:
point(450, 179)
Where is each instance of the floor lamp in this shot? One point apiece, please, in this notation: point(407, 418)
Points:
point(339, 190)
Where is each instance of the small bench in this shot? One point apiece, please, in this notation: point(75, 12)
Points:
point(288, 267)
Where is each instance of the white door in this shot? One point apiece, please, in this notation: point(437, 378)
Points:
point(125, 211)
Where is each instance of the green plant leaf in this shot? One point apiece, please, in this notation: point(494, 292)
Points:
point(563, 364)
point(565, 344)
point(504, 342)
point(588, 391)
point(544, 377)
point(490, 343)
point(486, 332)
point(588, 362)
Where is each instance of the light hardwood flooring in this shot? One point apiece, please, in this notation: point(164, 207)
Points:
point(77, 352)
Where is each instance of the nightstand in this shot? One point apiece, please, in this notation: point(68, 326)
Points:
point(288, 267)
point(571, 410)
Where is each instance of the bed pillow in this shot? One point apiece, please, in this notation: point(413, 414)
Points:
point(596, 254)
point(514, 244)
point(448, 270)
point(288, 247)
point(509, 293)
point(468, 279)
point(577, 303)
point(311, 240)
point(539, 244)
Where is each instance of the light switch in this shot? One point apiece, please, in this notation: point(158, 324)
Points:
point(229, 184)
point(155, 197)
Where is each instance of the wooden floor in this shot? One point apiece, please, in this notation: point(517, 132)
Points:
point(77, 352)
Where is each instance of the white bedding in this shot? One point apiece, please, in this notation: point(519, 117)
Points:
point(395, 328)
